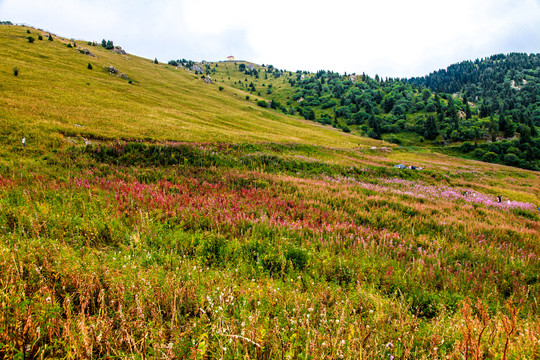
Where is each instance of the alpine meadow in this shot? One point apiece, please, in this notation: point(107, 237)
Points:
point(231, 210)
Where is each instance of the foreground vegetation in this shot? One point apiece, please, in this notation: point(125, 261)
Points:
point(134, 239)
point(216, 256)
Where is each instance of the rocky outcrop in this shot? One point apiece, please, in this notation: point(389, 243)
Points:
point(87, 52)
point(208, 80)
point(118, 50)
point(197, 68)
point(111, 69)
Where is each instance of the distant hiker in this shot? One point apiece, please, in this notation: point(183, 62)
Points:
point(500, 198)
point(24, 142)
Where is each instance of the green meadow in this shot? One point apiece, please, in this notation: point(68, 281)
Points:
point(158, 216)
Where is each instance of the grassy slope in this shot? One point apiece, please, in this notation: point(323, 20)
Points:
point(55, 91)
point(315, 247)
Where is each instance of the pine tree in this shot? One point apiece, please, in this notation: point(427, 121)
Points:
point(430, 128)
point(503, 124)
point(493, 129)
point(524, 134)
point(452, 113)
point(467, 108)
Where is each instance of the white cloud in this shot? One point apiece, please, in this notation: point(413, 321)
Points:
point(388, 37)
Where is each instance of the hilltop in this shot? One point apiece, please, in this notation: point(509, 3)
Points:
point(171, 211)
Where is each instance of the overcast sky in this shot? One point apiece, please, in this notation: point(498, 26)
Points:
point(391, 38)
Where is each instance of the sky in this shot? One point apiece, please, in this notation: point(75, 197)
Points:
point(390, 38)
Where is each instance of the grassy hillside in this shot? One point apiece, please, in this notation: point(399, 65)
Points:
point(55, 93)
point(196, 224)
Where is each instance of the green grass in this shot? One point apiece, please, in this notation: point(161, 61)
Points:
point(55, 92)
point(251, 234)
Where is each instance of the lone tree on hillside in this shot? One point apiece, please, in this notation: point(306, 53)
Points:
point(15, 71)
point(31, 40)
point(155, 61)
point(50, 37)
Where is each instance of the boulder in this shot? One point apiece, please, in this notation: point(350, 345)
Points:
point(118, 50)
point(87, 52)
point(111, 69)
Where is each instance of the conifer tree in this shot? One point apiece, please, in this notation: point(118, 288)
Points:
point(503, 123)
point(430, 128)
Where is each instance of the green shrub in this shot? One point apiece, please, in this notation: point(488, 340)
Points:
point(212, 248)
point(221, 88)
point(31, 40)
point(467, 147)
point(262, 103)
point(15, 71)
point(478, 153)
point(40, 37)
point(298, 257)
point(89, 66)
point(511, 159)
